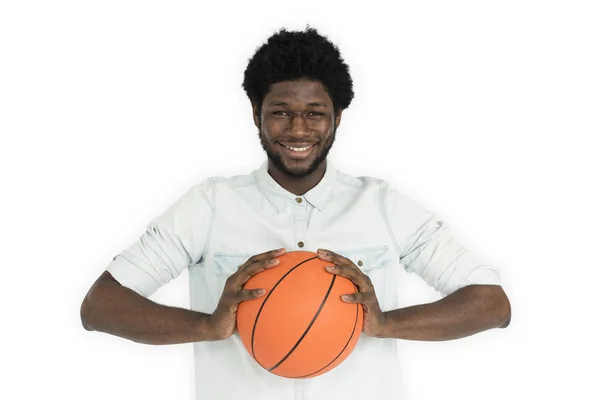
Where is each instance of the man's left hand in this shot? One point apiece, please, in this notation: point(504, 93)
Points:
point(374, 318)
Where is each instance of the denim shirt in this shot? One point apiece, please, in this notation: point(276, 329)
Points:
point(221, 222)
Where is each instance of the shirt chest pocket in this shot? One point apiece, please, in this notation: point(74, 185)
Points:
point(225, 265)
point(367, 259)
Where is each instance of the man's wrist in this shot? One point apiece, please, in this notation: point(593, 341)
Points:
point(205, 328)
point(384, 331)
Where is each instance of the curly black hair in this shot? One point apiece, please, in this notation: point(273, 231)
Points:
point(290, 55)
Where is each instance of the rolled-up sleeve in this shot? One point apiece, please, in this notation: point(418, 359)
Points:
point(427, 247)
point(171, 242)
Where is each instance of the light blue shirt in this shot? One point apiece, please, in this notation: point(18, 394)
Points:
point(221, 222)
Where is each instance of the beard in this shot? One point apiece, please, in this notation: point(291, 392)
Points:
point(275, 158)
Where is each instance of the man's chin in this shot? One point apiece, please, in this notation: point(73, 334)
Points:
point(298, 170)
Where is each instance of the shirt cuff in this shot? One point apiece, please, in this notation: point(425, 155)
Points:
point(132, 277)
point(482, 276)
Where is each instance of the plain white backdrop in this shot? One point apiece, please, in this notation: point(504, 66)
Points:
point(486, 112)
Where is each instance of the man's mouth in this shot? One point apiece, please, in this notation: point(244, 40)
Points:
point(299, 150)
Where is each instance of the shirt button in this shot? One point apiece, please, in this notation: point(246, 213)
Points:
point(298, 200)
point(360, 263)
point(300, 244)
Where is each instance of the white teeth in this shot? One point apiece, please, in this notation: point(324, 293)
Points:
point(299, 148)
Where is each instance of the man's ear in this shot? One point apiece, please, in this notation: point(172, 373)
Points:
point(256, 115)
point(338, 117)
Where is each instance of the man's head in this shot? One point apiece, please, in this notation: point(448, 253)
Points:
point(298, 85)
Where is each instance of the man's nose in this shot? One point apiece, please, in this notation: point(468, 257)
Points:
point(299, 125)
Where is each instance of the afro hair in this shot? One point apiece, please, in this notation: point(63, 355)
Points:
point(291, 55)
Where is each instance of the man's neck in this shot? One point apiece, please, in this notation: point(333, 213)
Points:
point(297, 185)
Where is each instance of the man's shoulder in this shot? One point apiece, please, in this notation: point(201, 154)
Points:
point(359, 182)
point(369, 183)
point(238, 180)
point(215, 182)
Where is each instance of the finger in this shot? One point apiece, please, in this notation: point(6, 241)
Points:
point(250, 270)
point(324, 254)
point(354, 274)
point(361, 298)
point(346, 268)
point(244, 295)
point(255, 265)
point(266, 256)
point(367, 300)
point(328, 255)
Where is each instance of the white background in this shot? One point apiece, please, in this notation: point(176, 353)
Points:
point(486, 112)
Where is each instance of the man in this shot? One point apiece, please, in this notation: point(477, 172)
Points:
point(226, 230)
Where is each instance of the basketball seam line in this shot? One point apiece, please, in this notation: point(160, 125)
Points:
point(265, 302)
point(309, 325)
point(338, 356)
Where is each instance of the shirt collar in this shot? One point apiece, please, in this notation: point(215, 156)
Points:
point(281, 199)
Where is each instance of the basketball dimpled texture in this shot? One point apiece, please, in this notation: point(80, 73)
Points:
point(300, 328)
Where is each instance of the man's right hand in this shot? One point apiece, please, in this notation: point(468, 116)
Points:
point(222, 322)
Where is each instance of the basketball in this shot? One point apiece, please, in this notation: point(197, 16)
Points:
point(300, 328)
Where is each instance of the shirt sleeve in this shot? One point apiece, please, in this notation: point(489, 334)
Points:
point(427, 247)
point(173, 241)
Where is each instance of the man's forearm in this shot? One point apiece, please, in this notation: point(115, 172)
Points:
point(117, 310)
point(463, 313)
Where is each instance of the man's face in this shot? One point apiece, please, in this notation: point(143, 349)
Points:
point(297, 126)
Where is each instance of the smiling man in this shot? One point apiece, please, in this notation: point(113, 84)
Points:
point(297, 125)
point(224, 230)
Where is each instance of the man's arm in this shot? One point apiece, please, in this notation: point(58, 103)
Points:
point(112, 308)
point(471, 309)
point(473, 300)
point(118, 301)
point(467, 311)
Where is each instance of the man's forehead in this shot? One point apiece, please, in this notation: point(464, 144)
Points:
point(303, 90)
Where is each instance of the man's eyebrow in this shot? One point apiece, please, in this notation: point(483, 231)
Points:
point(311, 104)
point(278, 103)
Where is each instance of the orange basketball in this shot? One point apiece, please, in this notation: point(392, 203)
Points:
point(300, 328)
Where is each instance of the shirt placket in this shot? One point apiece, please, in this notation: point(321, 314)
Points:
point(300, 243)
point(300, 224)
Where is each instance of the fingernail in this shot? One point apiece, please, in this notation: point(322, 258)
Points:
point(330, 268)
point(273, 263)
point(345, 297)
point(260, 291)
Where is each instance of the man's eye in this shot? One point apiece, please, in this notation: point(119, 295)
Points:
point(282, 113)
point(315, 114)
